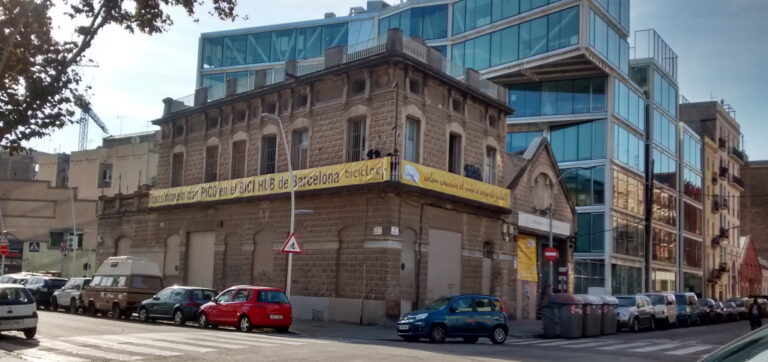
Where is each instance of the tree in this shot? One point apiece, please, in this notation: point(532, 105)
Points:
point(41, 88)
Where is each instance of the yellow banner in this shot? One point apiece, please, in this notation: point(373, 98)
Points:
point(355, 173)
point(452, 184)
point(526, 258)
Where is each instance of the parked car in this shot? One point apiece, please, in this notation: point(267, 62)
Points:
point(120, 284)
point(687, 309)
point(466, 316)
point(69, 296)
point(635, 312)
point(42, 289)
point(17, 310)
point(665, 308)
point(246, 307)
point(18, 278)
point(730, 312)
point(708, 310)
point(177, 303)
point(720, 310)
point(741, 306)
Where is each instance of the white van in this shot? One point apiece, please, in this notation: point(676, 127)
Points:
point(665, 308)
point(120, 285)
point(18, 310)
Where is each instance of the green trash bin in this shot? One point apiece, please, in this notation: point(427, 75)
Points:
point(610, 316)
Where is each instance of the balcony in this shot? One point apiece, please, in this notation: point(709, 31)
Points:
point(719, 203)
point(724, 267)
point(715, 177)
point(722, 143)
point(739, 154)
point(714, 276)
point(724, 172)
point(737, 181)
point(716, 242)
point(723, 233)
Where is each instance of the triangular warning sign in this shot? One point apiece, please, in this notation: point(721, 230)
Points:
point(291, 245)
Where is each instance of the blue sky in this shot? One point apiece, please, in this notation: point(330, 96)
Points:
point(721, 56)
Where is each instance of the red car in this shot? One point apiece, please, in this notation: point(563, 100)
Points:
point(246, 307)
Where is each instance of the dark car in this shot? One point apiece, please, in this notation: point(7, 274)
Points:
point(466, 316)
point(178, 303)
point(720, 309)
point(635, 312)
point(42, 289)
point(731, 313)
point(741, 306)
point(708, 311)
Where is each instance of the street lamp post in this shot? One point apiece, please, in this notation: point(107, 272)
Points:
point(293, 196)
point(551, 214)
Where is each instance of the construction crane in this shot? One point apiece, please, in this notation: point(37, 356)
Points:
point(85, 115)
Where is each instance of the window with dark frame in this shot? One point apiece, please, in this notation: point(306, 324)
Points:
point(211, 163)
point(238, 159)
point(356, 139)
point(300, 149)
point(268, 154)
point(454, 153)
point(412, 139)
point(177, 169)
point(489, 175)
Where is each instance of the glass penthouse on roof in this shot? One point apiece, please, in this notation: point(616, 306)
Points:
point(566, 65)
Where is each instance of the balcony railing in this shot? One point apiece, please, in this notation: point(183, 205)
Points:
point(719, 203)
point(723, 233)
point(715, 177)
point(722, 143)
point(739, 154)
point(716, 242)
point(725, 267)
point(737, 180)
point(715, 275)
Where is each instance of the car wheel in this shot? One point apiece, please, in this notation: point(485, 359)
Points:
point(282, 329)
point(437, 334)
point(635, 326)
point(178, 318)
point(116, 313)
point(73, 306)
point(54, 304)
point(410, 338)
point(470, 340)
point(202, 321)
point(244, 325)
point(653, 324)
point(91, 310)
point(143, 315)
point(29, 333)
point(498, 335)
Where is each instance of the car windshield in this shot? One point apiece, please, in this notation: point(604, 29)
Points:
point(15, 296)
point(657, 299)
point(739, 303)
point(271, 296)
point(703, 302)
point(142, 282)
point(57, 283)
point(626, 302)
point(681, 300)
point(437, 303)
point(203, 295)
point(750, 348)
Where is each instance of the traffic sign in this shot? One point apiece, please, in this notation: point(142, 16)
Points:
point(291, 245)
point(34, 246)
point(4, 250)
point(3, 239)
point(551, 254)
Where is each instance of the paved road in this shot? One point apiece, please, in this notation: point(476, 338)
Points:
point(65, 337)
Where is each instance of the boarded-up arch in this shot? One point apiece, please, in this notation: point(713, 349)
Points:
point(263, 257)
point(172, 255)
point(122, 246)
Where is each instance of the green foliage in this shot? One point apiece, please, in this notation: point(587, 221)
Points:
point(41, 88)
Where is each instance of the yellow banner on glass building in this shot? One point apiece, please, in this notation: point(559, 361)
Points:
point(452, 184)
point(527, 268)
point(347, 174)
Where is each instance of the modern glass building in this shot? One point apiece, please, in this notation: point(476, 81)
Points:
point(608, 109)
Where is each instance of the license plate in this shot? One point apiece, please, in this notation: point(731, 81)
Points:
point(11, 323)
point(403, 327)
point(275, 316)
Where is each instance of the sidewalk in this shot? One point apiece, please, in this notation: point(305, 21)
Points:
point(349, 331)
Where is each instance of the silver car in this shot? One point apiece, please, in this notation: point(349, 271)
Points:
point(68, 297)
point(635, 312)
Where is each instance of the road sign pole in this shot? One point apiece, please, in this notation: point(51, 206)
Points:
point(293, 203)
point(74, 230)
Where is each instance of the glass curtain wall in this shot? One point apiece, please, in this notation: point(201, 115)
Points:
point(588, 273)
point(628, 105)
point(572, 96)
point(626, 280)
point(519, 141)
point(628, 192)
point(665, 93)
point(591, 236)
point(628, 237)
point(472, 14)
point(618, 10)
point(586, 187)
point(606, 41)
point(664, 246)
point(429, 22)
point(664, 168)
point(579, 142)
point(537, 36)
point(628, 148)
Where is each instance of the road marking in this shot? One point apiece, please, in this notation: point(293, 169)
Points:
point(253, 338)
point(71, 348)
point(175, 345)
point(690, 350)
point(529, 341)
point(622, 346)
point(36, 353)
point(208, 341)
point(560, 343)
point(655, 348)
point(99, 341)
point(586, 345)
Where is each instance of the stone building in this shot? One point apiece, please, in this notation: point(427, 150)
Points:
point(723, 187)
point(401, 187)
point(755, 199)
point(750, 273)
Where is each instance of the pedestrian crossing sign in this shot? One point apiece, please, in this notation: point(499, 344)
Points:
point(34, 246)
point(291, 245)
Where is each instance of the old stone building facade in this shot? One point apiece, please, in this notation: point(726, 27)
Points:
point(401, 188)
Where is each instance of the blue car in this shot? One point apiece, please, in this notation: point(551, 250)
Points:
point(687, 309)
point(466, 316)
